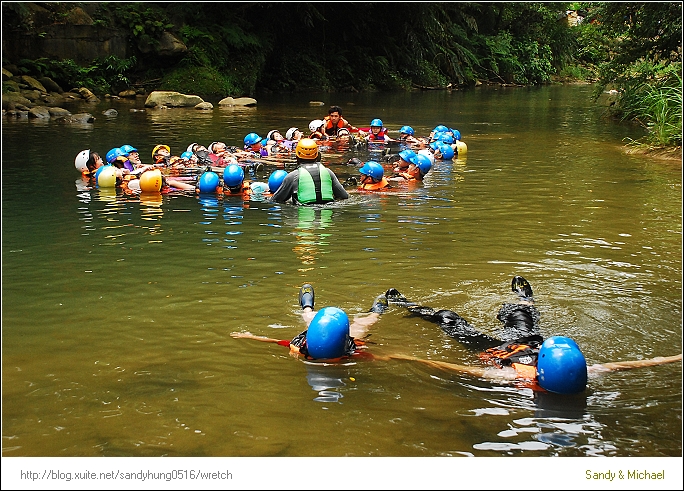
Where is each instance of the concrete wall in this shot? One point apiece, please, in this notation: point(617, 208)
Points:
point(81, 43)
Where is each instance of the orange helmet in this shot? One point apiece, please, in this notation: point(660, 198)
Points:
point(307, 149)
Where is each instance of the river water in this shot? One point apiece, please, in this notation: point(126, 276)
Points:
point(117, 309)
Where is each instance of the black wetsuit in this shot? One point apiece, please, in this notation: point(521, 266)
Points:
point(520, 340)
point(519, 345)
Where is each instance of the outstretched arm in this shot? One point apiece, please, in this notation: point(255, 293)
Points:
point(487, 372)
point(626, 365)
point(249, 335)
point(507, 373)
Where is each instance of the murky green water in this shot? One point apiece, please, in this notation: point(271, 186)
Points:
point(117, 310)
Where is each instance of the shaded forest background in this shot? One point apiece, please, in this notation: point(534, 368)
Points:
point(242, 48)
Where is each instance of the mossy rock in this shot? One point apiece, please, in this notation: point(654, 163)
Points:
point(11, 99)
point(170, 98)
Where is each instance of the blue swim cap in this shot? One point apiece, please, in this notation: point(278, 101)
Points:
point(276, 179)
point(328, 333)
point(373, 169)
point(233, 175)
point(208, 182)
point(561, 366)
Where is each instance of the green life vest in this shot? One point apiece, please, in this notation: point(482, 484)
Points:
point(315, 184)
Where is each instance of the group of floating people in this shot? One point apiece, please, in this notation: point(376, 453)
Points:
point(218, 168)
point(554, 365)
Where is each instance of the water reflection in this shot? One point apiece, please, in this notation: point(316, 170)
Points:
point(311, 240)
point(327, 380)
point(558, 424)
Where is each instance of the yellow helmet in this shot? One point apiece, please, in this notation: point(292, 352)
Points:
point(154, 151)
point(307, 149)
point(151, 181)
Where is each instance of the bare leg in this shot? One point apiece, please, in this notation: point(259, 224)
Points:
point(360, 325)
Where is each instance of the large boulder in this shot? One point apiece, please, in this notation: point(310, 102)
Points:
point(240, 101)
point(205, 106)
point(170, 45)
point(39, 112)
point(6, 74)
point(11, 99)
point(33, 83)
point(32, 95)
point(87, 95)
point(171, 99)
point(58, 112)
point(53, 99)
point(51, 85)
point(128, 93)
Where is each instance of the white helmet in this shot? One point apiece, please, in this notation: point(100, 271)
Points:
point(428, 154)
point(81, 161)
point(315, 124)
point(290, 133)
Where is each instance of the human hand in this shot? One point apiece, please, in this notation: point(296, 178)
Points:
point(237, 335)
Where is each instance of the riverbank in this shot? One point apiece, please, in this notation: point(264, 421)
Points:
point(673, 154)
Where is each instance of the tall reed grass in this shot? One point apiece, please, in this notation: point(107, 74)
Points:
point(657, 105)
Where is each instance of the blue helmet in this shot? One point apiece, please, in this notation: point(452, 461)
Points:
point(252, 138)
point(126, 149)
point(446, 138)
point(186, 155)
point(446, 151)
point(408, 156)
point(423, 163)
point(328, 333)
point(376, 122)
point(407, 130)
point(373, 169)
point(434, 145)
point(440, 129)
point(113, 154)
point(233, 176)
point(208, 182)
point(276, 179)
point(456, 133)
point(561, 366)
